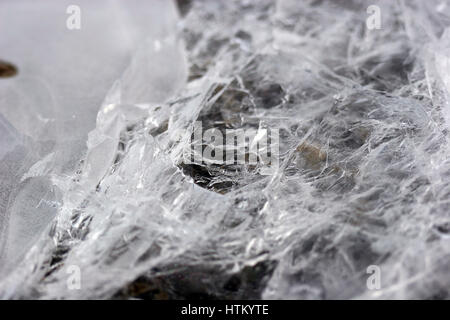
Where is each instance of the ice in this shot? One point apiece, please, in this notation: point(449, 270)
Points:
point(34, 207)
point(64, 75)
point(442, 65)
point(9, 136)
point(64, 80)
point(363, 178)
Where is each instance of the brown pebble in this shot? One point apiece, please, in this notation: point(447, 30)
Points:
point(7, 69)
point(312, 153)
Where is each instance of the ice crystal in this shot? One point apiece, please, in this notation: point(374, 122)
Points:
point(364, 173)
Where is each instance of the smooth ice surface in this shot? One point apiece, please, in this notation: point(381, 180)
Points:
point(65, 78)
point(9, 137)
point(364, 174)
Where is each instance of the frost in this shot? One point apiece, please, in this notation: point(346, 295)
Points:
point(363, 179)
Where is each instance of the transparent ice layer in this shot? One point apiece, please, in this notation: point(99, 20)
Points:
point(364, 173)
point(65, 78)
